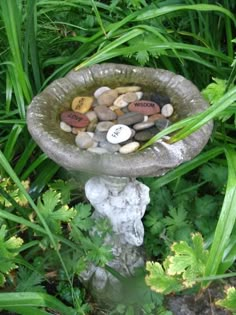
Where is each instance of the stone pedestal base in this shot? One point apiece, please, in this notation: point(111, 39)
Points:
point(123, 202)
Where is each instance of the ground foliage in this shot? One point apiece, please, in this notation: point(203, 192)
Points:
point(190, 235)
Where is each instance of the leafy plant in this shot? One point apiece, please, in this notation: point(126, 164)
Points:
point(229, 302)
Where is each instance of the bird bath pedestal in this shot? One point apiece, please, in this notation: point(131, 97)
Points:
point(113, 189)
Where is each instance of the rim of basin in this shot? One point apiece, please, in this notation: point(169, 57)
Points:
point(43, 119)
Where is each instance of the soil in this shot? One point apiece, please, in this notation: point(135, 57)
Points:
point(201, 304)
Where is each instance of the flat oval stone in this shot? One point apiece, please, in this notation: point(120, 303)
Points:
point(126, 89)
point(97, 150)
point(120, 102)
point(65, 127)
point(104, 113)
point(143, 125)
point(129, 147)
point(83, 140)
point(118, 134)
point(146, 134)
point(104, 126)
point(75, 119)
point(144, 107)
point(130, 118)
point(107, 98)
point(130, 97)
point(82, 104)
point(159, 99)
point(162, 124)
point(101, 90)
point(119, 112)
point(167, 110)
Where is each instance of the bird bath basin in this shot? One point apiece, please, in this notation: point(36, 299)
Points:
point(112, 189)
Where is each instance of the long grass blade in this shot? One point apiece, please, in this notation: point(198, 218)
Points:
point(226, 220)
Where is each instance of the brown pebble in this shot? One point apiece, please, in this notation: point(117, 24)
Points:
point(144, 107)
point(75, 119)
point(155, 117)
point(107, 98)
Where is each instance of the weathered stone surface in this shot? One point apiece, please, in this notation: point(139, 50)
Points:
point(74, 119)
point(143, 125)
point(98, 150)
point(91, 115)
point(118, 134)
point(104, 113)
point(144, 107)
point(82, 104)
point(107, 98)
point(127, 89)
point(109, 146)
point(129, 148)
point(130, 118)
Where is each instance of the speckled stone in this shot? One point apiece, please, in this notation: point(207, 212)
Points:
point(104, 126)
point(162, 123)
point(101, 90)
point(130, 118)
point(167, 110)
point(129, 147)
point(83, 140)
point(82, 104)
point(107, 98)
point(74, 119)
point(65, 127)
point(144, 107)
point(127, 89)
point(104, 113)
point(143, 125)
point(146, 134)
point(118, 134)
point(97, 150)
point(109, 146)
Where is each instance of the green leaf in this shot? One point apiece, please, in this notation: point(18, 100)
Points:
point(82, 219)
point(28, 280)
point(189, 261)
point(53, 212)
point(229, 302)
point(8, 251)
point(160, 281)
point(214, 91)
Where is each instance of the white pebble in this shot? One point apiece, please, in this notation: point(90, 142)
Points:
point(139, 95)
point(65, 127)
point(118, 134)
point(129, 147)
point(167, 110)
point(100, 91)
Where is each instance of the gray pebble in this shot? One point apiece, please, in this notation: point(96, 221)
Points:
point(143, 125)
point(83, 140)
point(105, 113)
point(104, 126)
point(130, 118)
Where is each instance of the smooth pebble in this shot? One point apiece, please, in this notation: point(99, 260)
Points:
point(167, 110)
point(126, 89)
point(120, 102)
point(83, 140)
point(144, 107)
point(101, 90)
point(118, 134)
point(107, 98)
point(104, 113)
point(143, 125)
point(65, 127)
point(104, 126)
point(129, 147)
point(82, 104)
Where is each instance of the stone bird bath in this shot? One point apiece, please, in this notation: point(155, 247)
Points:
point(113, 189)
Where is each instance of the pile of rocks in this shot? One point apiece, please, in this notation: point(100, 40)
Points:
point(116, 120)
